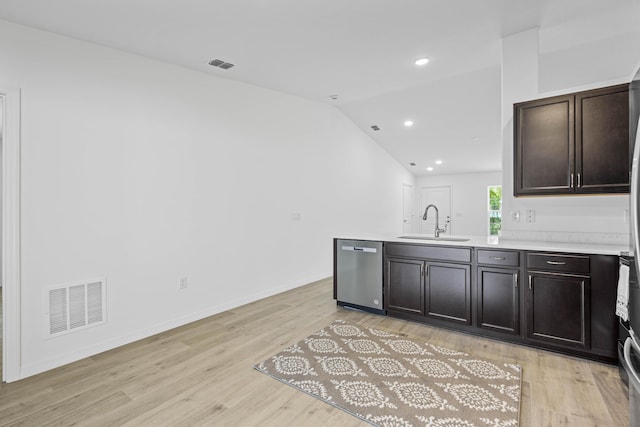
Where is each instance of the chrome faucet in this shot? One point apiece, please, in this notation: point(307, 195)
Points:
point(438, 230)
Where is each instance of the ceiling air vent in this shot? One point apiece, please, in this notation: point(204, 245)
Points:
point(220, 64)
point(375, 127)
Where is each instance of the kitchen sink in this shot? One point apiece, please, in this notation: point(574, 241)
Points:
point(438, 239)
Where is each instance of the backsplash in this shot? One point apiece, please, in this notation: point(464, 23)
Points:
point(567, 237)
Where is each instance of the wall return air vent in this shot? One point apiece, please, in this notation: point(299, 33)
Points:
point(75, 306)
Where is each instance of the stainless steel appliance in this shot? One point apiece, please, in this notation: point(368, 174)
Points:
point(628, 350)
point(626, 259)
point(630, 357)
point(359, 274)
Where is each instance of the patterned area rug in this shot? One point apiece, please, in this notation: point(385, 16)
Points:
point(391, 380)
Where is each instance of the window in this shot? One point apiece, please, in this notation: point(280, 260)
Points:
point(495, 209)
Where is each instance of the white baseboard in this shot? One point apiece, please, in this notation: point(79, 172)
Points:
point(81, 353)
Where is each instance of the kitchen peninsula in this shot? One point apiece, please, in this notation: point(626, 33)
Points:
point(550, 295)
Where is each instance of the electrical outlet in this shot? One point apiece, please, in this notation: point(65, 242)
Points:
point(531, 215)
point(183, 283)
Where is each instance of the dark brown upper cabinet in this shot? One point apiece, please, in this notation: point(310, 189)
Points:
point(573, 144)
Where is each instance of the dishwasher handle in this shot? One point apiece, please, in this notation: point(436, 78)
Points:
point(359, 249)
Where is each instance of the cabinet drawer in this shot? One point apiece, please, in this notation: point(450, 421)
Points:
point(578, 264)
point(506, 258)
point(443, 253)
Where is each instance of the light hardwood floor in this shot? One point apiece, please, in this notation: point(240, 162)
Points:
point(202, 374)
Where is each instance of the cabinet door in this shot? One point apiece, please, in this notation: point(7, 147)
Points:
point(544, 146)
point(559, 309)
point(602, 140)
point(405, 285)
point(448, 292)
point(498, 300)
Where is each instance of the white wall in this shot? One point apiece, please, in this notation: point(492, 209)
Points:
point(537, 64)
point(145, 172)
point(1, 174)
point(469, 211)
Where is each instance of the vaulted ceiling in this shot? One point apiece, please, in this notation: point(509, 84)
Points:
point(357, 55)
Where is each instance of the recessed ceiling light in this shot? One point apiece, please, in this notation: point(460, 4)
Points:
point(421, 61)
point(408, 123)
point(412, 164)
point(334, 97)
point(438, 162)
point(429, 168)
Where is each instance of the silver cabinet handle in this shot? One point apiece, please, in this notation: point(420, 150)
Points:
point(422, 270)
point(556, 263)
point(530, 282)
point(498, 258)
point(515, 280)
point(571, 181)
point(579, 183)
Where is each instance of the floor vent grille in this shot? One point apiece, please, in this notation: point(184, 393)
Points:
point(76, 306)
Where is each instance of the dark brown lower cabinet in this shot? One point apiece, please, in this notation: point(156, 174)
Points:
point(558, 309)
point(559, 298)
point(498, 299)
point(437, 290)
point(428, 282)
point(448, 292)
point(405, 285)
point(562, 302)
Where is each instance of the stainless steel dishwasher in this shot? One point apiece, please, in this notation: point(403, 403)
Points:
point(359, 274)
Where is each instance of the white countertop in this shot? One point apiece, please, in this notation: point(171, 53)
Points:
point(493, 242)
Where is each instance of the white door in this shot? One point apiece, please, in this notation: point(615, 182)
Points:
point(441, 198)
point(408, 209)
